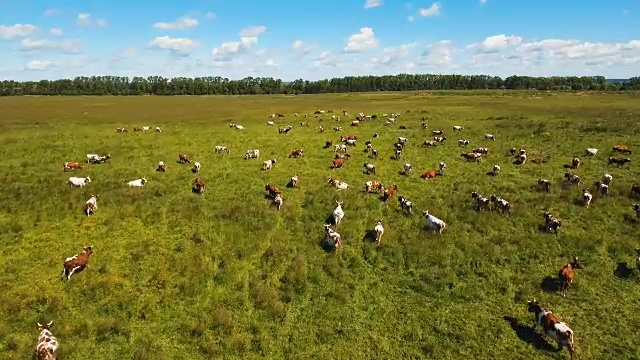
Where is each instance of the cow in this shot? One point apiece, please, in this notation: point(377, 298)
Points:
point(333, 238)
point(603, 188)
point(146, 128)
point(607, 178)
point(635, 189)
point(434, 223)
point(285, 130)
point(378, 230)
point(76, 263)
point(350, 142)
point(429, 143)
point(161, 167)
point(340, 185)
point(591, 151)
point(586, 197)
point(405, 204)
point(620, 161)
point(78, 181)
point(495, 170)
point(483, 151)
point(137, 183)
point(442, 165)
point(341, 147)
point(457, 128)
point(463, 142)
point(490, 137)
point(196, 167)
point(501, 204)
point(328, 144)
point(372, 185)
point(552, 326)
point(71, 166)
point(572, 178)
point(440, 139)
point(437, 132)
point(337, 163)
point(220, 149)
point(552, 223)
point(184, 158)
point(425, 125)
point(388, 194)
point(355, 123)
point(566, 274)
point(481, 201)
point(47, 345)
point(398, 154)
point(408, 168)
point(271, 123)
point(472, 156)
point(158, 129)
point(622, 148)
point(278, 201)
point(272, 190)
point(430, 174)
point(239, 127)
point(348, 137)
point(121, 130)
point(200, 186)
point(544, 184)
point(268, 164)
point(338, 213)
point(293, 181)
point(369, 168)
point(91, 205)
point(97, 159)
point(136, 129)
point(402, 140)
point(374, 154)
point(575, 163)
point(252, 154)
point(337, 128)
point(402, 127)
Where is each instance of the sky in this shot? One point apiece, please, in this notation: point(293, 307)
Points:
point(313, 39)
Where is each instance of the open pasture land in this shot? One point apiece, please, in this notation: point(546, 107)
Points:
point(177, 275)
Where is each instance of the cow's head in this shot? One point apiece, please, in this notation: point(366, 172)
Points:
point(46, 326)
point(88, 250)
point(533, 306)
point(143, 181)
point(576, 264)
point(87, 179)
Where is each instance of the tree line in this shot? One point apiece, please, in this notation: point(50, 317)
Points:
point(216, 85)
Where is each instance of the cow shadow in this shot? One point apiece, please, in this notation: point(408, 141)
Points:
point(517, 162)
point(567, 166)
point(579, 202)
point(326, 246)
point(630, 219)
point(330, 220)
point(491, 173)
point(194, 171)
point(544, 229)
point(550, 284)
point(195, 190)
point(529, 335)
point(369, 236)
point(289, 185)
point(623, 271)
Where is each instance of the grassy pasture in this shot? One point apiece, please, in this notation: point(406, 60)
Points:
point(175, 275)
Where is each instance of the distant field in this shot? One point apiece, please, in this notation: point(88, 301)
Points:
point(175, 275)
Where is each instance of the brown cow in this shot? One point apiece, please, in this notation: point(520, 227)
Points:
point(137, 129)
point(553, 327)
point(296, 153)
point(183, 158)
point(566, 274)
point(71, 165)
point(430, 174)
point(76, 263)
point(199, 185)
point(388, 194)
point(348, 137)
point(622, 149)
point(336, 163)
point(273, 191)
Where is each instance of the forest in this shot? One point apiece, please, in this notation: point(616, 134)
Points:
point(216, 85)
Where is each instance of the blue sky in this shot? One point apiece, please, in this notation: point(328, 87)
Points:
point(314, 39)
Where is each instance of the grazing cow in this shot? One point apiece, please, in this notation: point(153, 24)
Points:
point(146, 128)
point(372, 185)
point(398, 154)
point(586, 197)
point(350, 142)
point(137, 183)
point(320, 128)
point(161, 167)
point(71, 166)
point(348, 137)
point(434, 223)
point(239, 127)
point(368, 146)
point(97, 159)
point(572, 178)
point(425, 125)
point(388, 194)
point(552, 326)
point(603, 188)
point(430, 174)
point(472, 156)
point(77, 263)
point(439, 139)
point(278, 201)
point(296, 153)
point(375, 135)
point(271, 123)
point(483, 151)
point(591, 151)
point(337, 128)
point(544, 184)
point(273, 191)
point(403, 127)
point(442, 165)
point(369, 168)
point(374, 154)
point(121, 130)
point(196, 167)
point(496, 169)
point(635, 189)
point(91, 205)
point(566, 274)
point(457, 128)
point(252, 154)
point(338, 213)
point(342, 156)
point(575, 163)
point(328, 144)
point(285, 130)
point(293, 181)
point(402, 140)
point(333, 238)
point(221, 149)
point(158, 129)
point(398, 146)
point(341, 147)
point(552, 223)
point(620, 161)
point(47, 345)
point(636, 208)
point(183, 158)
point(200, 186)
point(337, 163)
point(78, 181)
point(622, 148)
point(638, 252)
point(338, 184)
point(437, 132)
point(501, 204)
point(268, 164)
point(136, 129)
point(355, 123)
point(490, 137)
point(378, 230)
point(606, 179)
point(463, 142)
point(405, 204)
point(408, 168)
point(481, 201)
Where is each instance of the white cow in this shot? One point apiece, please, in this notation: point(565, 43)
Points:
point(252, 154)
point(222, 149)
point(268, 164)
point(333, 237)
point(341, 147)
point(378, 230)
point(196, 167)
point(146, 128)
point(78, 181)
point(137, 182)
point(340, 185)
point(158, 129)
point(91, 205)
point(490, 137)
point(407, 168)
point(457, 128)
point(351, 142)
point(442, 166)
point(271, 123)
point(239, 127)
point(338, 214)
point(591, 151)
point(434, 223)
point(278, 201)
point(607, 178)
point(91, 157)
point(402, 140)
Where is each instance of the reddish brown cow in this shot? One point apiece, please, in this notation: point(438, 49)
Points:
point(348, 137)
point(336, 163)
point(137, 129)
point(430, 174)
point(71, 166)
point(199, 185)
point(183, 158)
point(622, 149)
point(552, 326)
point(566, 274)
point(77, 262)
point(388, 194)
point(273, 191)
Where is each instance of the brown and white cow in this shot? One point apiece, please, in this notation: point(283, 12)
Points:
point(296, 153)
point(76, 263)
point(372, 185)
point(91, 205)
point(273, 191)
point(429, 143)
point(430, 174)
point(552, 223)
point(121, 130)
point(566, 274)
point(337, 163)
point(344, 138)
point(388, 194)
point(622, 148)
point(47, 346)
point(481, 201)
point(200, 186)
point(472, 156)
point(69, 165)
point(184, 158)
point(553, 327)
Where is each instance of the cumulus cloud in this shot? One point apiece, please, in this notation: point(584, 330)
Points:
point(438, 54)
point(433, 10)
point(392, 54)
point(496, 43)
point(16, 31)
point(326, 58)
point(184, 22)
point(65, 46)
point(85, 20)
point(362, 41)
point(368, 4)
point(177, 46)
point(248, 38)
point(56, 32)
point(40, 65)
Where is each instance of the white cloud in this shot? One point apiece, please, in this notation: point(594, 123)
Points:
point(362, 41)
point(297, 44)
point(16, 31)
point(85, 20)
point(40, 65)
point(253, 31)
point(438, 54)
point(326, 58)
point(50, 12)
point(368, 4)
point(211, 15)
point(184, 22)
point(228, 49)
point(248, 39)
point(433, 10)
point(56, 32)
point(410, 18)
point(496, 43)
point(177, 46)
point(392, 54)
point(65, 46)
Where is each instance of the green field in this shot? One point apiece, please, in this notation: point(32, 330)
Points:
point(176, 275)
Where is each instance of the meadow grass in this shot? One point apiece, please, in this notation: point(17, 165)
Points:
point(176, 275)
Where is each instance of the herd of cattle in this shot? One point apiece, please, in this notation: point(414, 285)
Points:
point(551, 325)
